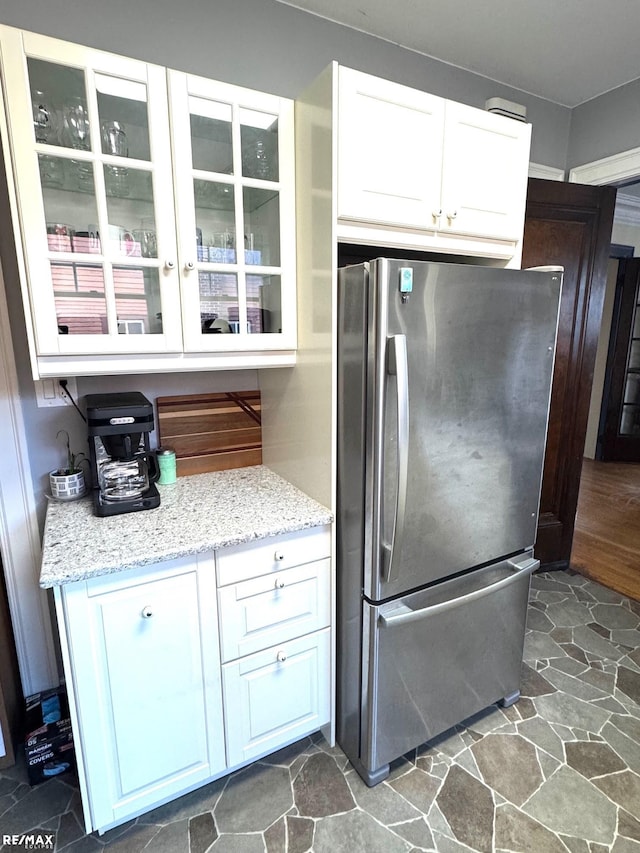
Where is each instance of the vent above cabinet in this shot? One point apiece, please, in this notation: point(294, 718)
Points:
point(506, 108)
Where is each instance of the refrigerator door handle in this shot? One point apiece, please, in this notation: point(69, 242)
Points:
point(398, 366)
point(404, 614)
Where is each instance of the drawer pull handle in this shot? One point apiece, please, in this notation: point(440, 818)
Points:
point(279, 583)
point(147, 612)
point(278, 556)
point(281, 657)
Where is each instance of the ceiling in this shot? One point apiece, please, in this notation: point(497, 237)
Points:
point(566, 51)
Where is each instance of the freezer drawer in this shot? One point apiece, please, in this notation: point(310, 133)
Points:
point(440, 655)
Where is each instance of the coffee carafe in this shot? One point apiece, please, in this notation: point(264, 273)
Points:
point(124, 469)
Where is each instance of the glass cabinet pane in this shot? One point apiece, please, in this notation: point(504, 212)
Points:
point(264, 304)
point(261, 226)
point(259, 144)
point(68, 194)
point(130, 210)
point(219, 309)
point(81, 306)
point(215, 221)
point(138, 304)
point(59, 105)
point(124, 119)
point(211, 138)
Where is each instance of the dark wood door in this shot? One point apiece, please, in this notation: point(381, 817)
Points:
point(620, 441)
point(568, 225)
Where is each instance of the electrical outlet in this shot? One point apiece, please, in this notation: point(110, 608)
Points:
point(49, 392)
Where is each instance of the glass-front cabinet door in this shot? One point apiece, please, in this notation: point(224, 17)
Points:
point(92, 158)
point(234, 177)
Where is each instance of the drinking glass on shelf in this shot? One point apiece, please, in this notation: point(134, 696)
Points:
point(43, 123)
point(145, 235)
point(114, 142)
point(116, 180)
point(84, 176)
point(114, 139)
point(76, 124)
point(75, 120)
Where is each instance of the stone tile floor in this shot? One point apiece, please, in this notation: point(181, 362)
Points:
point(559, 772)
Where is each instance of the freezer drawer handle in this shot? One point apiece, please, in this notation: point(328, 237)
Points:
point(404, 614)
point(397, 365)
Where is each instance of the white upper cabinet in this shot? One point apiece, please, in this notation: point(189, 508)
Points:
point(234, 179)
point(389, 152)
point(485, 166)
point(451, 175)
point(155, 211)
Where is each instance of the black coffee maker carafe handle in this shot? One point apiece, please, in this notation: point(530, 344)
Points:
point(154, 468)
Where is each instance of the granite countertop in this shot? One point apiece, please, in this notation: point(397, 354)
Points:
point(198, 513)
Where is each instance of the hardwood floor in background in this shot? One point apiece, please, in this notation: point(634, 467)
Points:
point(606, 541)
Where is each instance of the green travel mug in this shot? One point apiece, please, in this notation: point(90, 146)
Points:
point(167, 463)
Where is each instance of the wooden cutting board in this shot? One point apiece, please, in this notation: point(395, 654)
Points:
point(211, 432)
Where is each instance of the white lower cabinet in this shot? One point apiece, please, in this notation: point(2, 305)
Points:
point(142, 657)
point(156, 708)
point(263, 611)
point(275, 641)
point(276, 696)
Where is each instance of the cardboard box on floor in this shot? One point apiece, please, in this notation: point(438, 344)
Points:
point(49, 740)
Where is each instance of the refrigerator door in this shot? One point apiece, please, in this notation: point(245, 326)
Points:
point(458, 367)
point(434, 658)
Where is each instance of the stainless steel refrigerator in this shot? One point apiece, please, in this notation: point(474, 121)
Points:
point(444, 378)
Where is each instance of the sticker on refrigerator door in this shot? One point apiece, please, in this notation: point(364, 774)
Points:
point(406, 282)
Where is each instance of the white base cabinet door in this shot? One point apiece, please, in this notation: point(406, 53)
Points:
point(273, 697)
point(144, 665)
point(267, 610)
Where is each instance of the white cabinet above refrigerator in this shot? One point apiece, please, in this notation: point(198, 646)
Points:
point(449, 176)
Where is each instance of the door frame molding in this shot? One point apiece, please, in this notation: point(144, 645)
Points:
point(19, 532)
point(20, 544)
point(617, 169)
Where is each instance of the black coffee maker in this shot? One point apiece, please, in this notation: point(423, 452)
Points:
point(123, 467)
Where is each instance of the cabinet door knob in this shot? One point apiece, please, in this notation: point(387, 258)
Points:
point(278, 556)
point(279, 583)
point(452, 215)
point(281, 657)
point(437, 213)
point(169, 265)
point(189, 266)
point(146, 612)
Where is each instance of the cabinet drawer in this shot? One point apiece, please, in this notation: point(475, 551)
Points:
point(274, 608)
point(252, 559)
point(276, 696)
